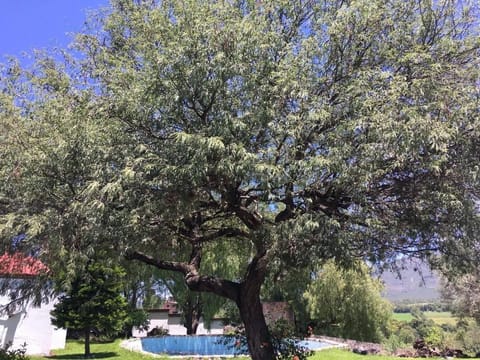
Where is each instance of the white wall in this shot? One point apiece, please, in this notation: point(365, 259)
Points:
point(58, 338)
point(216, 328)
point(175, 326)
point(157, 319)
point(31, 325)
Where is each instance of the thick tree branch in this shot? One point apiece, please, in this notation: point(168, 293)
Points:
point(194, 281)
point(252, 219)
point(255, 274)
point(181, 267)
point(221, 287)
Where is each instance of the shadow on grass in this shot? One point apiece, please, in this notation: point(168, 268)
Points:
point(97, 355)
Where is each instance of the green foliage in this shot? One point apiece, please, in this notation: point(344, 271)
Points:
point(263, 134)
point(194, 305)
point(407, 306)
point(403, 334)
point(136, 318)
point(400, 336)
point(342, 136)
point(394, 343)
point(348, 303)
point(289, 286)
point(6, 353)
point(285, 344)
point(230, 312)
point(464, 335)
point(461, 292)
point(468, 338)
point(437, 331)
point(423, 325)
point(158, 331)
point(93, 302)
point(435, 336)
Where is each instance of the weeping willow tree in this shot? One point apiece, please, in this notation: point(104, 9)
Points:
point(269, 132)
point(348, 303)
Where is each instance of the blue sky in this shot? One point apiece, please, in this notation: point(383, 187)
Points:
point(38, 24)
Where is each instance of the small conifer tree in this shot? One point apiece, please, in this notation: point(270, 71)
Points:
point(93, 302)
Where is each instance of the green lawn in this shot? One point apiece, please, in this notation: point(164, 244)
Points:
point(112, 351)
point(444, 317)
point(338, 354)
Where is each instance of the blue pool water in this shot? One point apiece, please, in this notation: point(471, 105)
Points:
point(313, 344)
point(205, 345)
point(192, 345)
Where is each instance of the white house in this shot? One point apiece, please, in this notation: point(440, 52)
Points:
point(165, 319)
point(27, 324)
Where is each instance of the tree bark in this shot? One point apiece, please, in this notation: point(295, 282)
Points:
point(193, 313)
point(256, 330)
point(251, 311)
point(87, 343)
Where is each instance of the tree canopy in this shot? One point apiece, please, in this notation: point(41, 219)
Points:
point(276, 131)
point(348, 303)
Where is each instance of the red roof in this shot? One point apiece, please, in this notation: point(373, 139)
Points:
point(20, 265)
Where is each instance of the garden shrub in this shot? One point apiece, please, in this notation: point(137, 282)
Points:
point(401, 336)
point(286, 346)
point(434, 336)
point(469, 339)
point(6, 353)
point(394, 343)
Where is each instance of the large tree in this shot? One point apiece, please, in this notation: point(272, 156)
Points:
point(348, 303)
point(280, 131)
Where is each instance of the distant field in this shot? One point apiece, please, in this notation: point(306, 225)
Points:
point(443, 317)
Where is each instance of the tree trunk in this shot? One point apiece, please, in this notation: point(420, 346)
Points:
point(245, 294)
point(87, 343)
point(193, 313)
point(256, 330)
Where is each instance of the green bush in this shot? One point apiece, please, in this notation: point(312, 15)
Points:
point(136, 318)
point(394, 342)
point(284, 342)
point(435, 337)
point(6, 353)
point(401, 336)
point(469, 339)
point(158, 331)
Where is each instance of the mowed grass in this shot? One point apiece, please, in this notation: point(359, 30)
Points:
point(440, 317)
point(339, 354)
point(112, 351)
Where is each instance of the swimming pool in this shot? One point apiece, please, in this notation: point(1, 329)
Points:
point(193, 345)
point(314, 345)
point(210, 345)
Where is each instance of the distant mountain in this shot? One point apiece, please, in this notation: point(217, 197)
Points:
point(415, 282)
